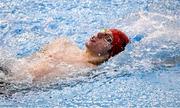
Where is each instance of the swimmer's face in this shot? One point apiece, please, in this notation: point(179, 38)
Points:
point(100, 43)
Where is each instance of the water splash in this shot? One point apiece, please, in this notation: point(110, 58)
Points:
point(145, 74)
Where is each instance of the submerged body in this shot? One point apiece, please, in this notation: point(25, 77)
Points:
point(62, 57)
point(52, 62)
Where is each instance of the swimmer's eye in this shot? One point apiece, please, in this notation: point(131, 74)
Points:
point(108, 38)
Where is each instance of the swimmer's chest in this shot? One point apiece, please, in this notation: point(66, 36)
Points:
point(62, 50)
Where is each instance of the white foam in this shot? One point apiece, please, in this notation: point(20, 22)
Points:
point(152, 25)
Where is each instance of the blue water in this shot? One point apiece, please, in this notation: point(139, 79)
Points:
point(146, 74)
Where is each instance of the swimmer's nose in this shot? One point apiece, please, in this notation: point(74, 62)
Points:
point(93, 39)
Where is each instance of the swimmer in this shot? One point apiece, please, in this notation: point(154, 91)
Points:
point(62, 56)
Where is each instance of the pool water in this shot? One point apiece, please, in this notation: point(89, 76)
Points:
point(146, 74)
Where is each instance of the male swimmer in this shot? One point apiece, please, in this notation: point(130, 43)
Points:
point(61, 56)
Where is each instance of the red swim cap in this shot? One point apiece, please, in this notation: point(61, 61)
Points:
point(120, 40)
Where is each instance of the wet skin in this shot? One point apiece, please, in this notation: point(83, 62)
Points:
point(100, 43)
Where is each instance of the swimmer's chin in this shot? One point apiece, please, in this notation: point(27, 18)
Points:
point(88, 47)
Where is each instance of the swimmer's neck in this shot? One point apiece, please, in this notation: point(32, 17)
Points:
point(93, 58)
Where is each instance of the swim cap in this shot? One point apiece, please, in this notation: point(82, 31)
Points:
point(120, 40)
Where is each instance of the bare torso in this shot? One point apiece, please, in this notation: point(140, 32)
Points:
point(59, 58)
